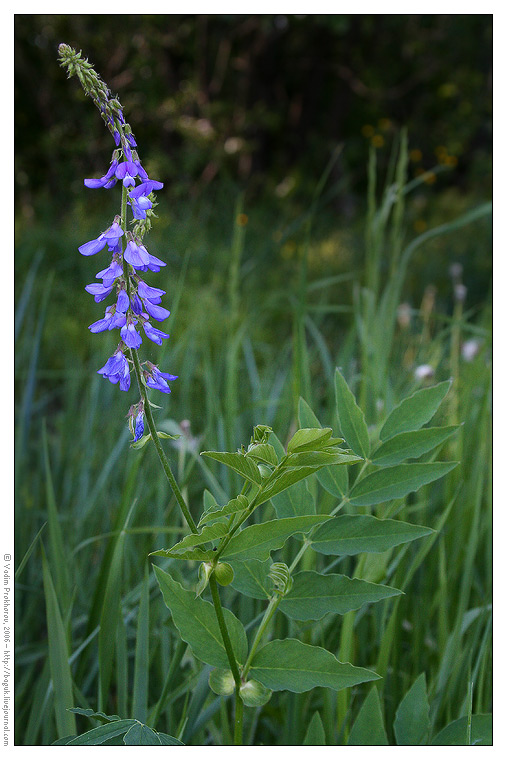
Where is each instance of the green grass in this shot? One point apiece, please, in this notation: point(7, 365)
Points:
point(255, 323)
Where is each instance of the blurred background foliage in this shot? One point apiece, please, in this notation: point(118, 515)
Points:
point(224, 105)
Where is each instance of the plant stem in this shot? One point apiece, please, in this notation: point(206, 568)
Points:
point(238, 709)
point(270, 611)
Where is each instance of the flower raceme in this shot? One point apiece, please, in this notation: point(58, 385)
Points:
point(136, 302)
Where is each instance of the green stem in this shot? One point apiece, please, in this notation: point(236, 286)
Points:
point(238, 710)
point(270, 611)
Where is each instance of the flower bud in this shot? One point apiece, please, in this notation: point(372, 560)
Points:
point(224, 573)
point(254, 694)
point(221, 682)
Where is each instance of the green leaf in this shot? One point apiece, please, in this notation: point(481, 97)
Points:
point(415, 411)
point(334, 479)
point(196, 621)
point(63, 741)
point(396, 482)
point(351, 417)
point(290, 476)
point(353, 534)
point(141, 736)
point(88, 713)
point(141, 443)
point(207, 534)
point(315, 735)
point(239, 504)
point(251, 578)
point(294, 501)
point(411, 445)
point(314, 595)
point(412, 721)
point(198, 555)
point(264, 452)
point(208, 500)
point(161, 434)
point(238, 462)
point(309, 439)
point(101, 734)
point(327, 458)
point(58, 657)
point(258, 541)
point(455, 734)
point(294, 666)
point(368, 728)
point(169, 741)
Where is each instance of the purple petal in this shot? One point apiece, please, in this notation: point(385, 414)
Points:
point(93, 183)
point(123, 301)
point(146, 291)
point(157, 312)
point(92, 247)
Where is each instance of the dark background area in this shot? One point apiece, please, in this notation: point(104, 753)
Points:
point(228, 107)
point(254, 99)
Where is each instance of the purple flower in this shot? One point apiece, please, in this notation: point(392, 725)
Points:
point(137, 255)
point(139, 429)
point(145, 291)
point(108, 237)
point(109, 275)
point(155, 263)
point(140, 206)
point(154, 334)
point(126, 171)
point(130, 336)
point(157, 312)
point(137, 306)
point(141, 170)
point(146, 187)
point(106, 179)
point(123, 301)
point(99, 291)
point(116, 369)
point(157, 379)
